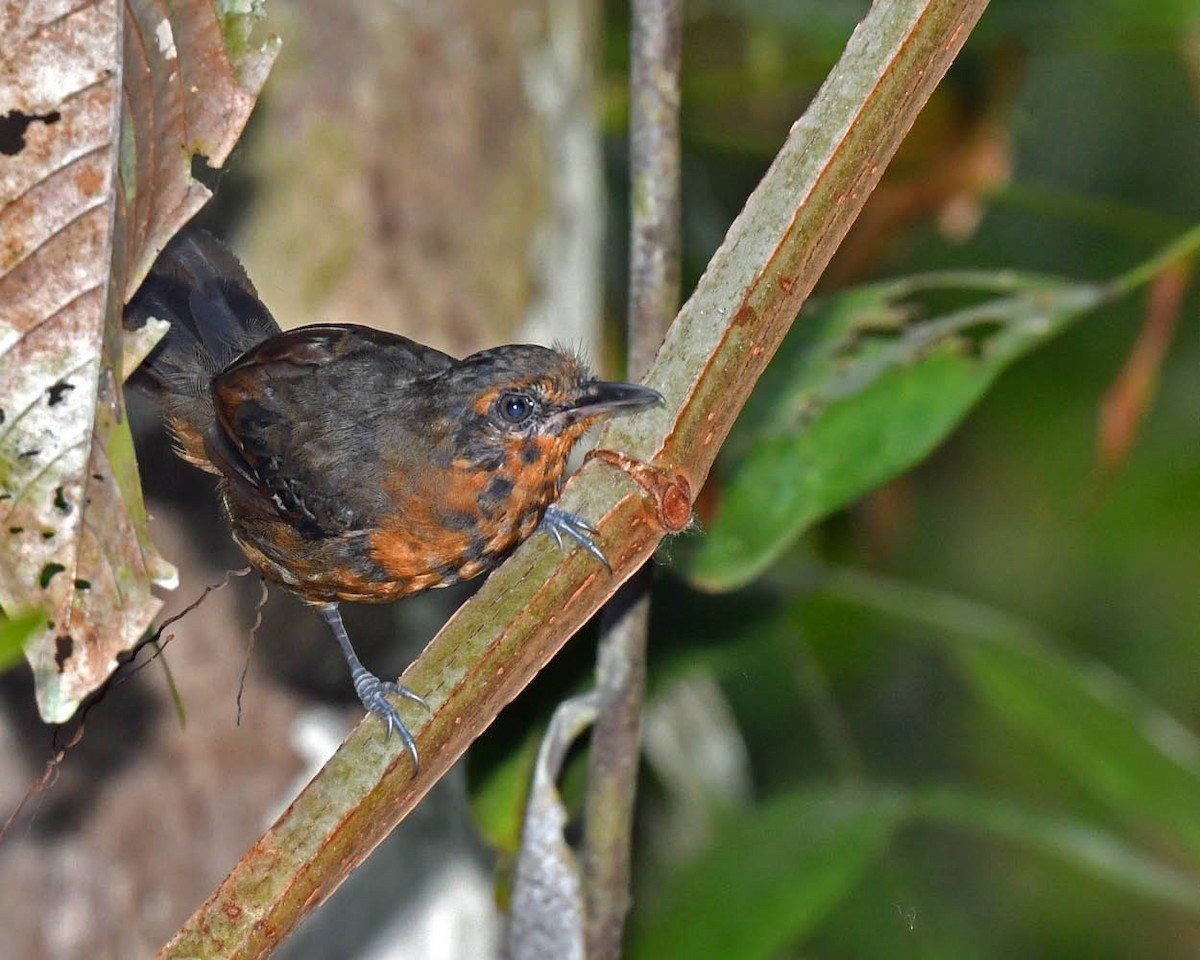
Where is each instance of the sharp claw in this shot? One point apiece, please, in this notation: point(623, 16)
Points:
point(370, 689)
point(373, 693)
point(558, 523)
point(593, 548)
point(399, 690)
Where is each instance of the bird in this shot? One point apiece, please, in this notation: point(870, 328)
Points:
point(356, 465)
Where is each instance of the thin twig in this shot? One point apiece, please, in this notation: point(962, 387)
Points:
point(654, 159)
point(258, 619)
point(153, 639)
point(50, 774)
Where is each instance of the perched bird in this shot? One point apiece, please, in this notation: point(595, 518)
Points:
point(355, 464)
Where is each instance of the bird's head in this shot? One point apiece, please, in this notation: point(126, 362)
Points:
point(529, 404)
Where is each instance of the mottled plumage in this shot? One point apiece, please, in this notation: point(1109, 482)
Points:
point(355, 464)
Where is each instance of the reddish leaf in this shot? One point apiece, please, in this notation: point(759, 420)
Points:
point(1127, 401)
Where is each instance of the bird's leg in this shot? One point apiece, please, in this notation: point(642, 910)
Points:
point(558, 523)
point(370, 689)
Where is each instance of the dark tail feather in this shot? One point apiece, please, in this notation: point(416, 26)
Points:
point(198, 286)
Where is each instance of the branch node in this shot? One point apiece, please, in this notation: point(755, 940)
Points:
point(672, 496)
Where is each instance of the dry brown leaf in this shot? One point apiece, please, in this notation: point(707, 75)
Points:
point(99, 119)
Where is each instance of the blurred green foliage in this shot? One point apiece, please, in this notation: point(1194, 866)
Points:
point(932, 775)
point(13, 634)
point(864, 390)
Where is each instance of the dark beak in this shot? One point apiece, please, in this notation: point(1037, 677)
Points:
point(602, 398)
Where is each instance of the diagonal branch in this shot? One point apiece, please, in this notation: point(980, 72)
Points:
point(715, 351)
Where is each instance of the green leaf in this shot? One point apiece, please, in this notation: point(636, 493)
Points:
point(808, 851)
point(13, 634)
point(863, 393)
point(1071, 841)
point(812, 848)
point(1117, 744)
point(498, 799)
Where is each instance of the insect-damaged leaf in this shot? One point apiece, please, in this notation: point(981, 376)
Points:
point(861, 392)
point(102, 106)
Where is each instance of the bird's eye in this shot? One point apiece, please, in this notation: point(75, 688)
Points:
point(515, 407)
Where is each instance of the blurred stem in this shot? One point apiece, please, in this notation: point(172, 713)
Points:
point(613, 766)
point(1100, 213)
point(1182, 248)
point(833, 730)
point(654, 267)
point(654, 177)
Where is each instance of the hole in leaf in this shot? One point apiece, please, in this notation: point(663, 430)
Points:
point(83, 584)
point(976, 340)
point(13, 126)
point(205, 172)
point(26, 454)
point(60, 501)
point(64, 646)
point(48, 572)
point(58, 391)
point(15, 530)
point(47, 534)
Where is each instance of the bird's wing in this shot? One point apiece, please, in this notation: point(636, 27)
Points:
point(296, 421)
